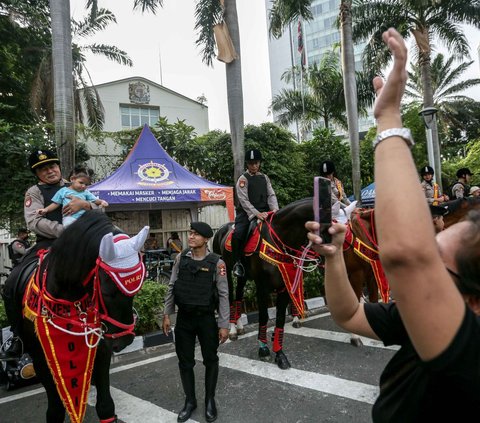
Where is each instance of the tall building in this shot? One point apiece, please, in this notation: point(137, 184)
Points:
point(315, 37)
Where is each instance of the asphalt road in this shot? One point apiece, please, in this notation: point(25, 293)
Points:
point(330, 381)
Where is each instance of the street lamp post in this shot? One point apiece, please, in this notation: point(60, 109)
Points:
point(428, 115)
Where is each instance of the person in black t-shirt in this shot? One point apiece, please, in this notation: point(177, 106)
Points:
point(435, 376)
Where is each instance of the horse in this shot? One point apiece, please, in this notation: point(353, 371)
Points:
point(458, 209)
point(78, 309)
point(285, 232)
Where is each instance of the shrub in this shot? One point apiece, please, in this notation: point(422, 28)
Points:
point(3, 316)
point(149, 305)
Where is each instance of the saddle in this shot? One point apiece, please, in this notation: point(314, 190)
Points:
point(253, 238)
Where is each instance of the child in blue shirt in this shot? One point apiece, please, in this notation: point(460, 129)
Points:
point(78, 188)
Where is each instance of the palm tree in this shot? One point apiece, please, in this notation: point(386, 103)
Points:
point(323, 99)
point(42, 92)
point(62, 65)
point(422, 19)
point(448, 84)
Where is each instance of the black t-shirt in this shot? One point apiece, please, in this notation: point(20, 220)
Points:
point(445, 389)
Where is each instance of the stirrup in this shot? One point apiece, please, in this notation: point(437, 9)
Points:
point(238, 270)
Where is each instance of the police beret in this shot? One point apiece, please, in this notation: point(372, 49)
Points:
point(40, 157)
point(202, 228)
point(438, 210)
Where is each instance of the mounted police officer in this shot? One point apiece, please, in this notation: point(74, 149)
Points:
point(430, 188)
point(327, 170)
point(256, 198)
point(198, 286)
point(461, 188)
point(46, 167)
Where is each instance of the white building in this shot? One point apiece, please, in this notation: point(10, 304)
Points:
point(132, 102)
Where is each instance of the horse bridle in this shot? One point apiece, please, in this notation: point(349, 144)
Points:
point(90, 305)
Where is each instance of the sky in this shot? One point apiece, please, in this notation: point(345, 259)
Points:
point(163, 49)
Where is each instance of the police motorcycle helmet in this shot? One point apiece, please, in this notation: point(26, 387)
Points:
point(40, 157)
point(327, 167)
point(427, 170)
point(253, 155)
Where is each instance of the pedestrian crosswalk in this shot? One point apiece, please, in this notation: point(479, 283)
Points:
point(139, 407)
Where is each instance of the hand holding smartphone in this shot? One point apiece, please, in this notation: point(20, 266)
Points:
point(322, 206)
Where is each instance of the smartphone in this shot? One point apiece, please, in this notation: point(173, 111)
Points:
point(322, 206)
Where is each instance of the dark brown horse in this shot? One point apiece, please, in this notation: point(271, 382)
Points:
point(286, 231)
point(458, 209)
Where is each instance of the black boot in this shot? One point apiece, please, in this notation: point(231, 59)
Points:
point(14, 351)
point(211, 377)
point(188, 383)
point(237, 247)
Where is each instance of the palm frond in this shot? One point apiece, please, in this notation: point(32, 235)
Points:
point(110, 52)
point(89, 25)
point(285, 12)
point(207, 14)
point(147, 5)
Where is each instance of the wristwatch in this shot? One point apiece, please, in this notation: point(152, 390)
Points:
point(403, 133)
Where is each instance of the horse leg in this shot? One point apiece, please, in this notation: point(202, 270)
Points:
point(296, 323)
point(101, 376)
point(56, 410)
point(262, 300)
point(280, 358)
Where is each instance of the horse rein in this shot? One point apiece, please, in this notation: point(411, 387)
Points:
point(90, 305)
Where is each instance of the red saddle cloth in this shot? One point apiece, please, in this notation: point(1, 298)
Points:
point(252, 242)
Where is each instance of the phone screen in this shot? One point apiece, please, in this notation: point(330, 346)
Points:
point(322, 206)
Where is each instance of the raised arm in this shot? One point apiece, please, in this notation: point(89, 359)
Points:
point(429, 303)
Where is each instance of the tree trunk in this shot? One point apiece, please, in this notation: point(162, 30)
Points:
point(63, 83)
point(350, 89)
point(235, 92)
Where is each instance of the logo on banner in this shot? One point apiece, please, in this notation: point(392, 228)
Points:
point(153, 172)
point(215, 194)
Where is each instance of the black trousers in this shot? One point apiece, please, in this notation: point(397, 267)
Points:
point(241, 227)
point(187, 328)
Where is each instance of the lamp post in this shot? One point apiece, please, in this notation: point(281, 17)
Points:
point(428, 115)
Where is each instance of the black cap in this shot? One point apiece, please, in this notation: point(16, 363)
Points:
point(40, 157)
point(253, 154)
point(202, 228)
point(427, 170)
point(463, 171)
point(327, 167)
point(438, 210)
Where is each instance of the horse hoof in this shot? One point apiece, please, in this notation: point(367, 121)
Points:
point(233, 336)
point(264, 353)
point(356, 342)
point(296, 325)
point(282, 360)
point(241, 331)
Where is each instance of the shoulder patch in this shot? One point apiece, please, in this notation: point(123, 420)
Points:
point(242, 183)
point(222, 269)
point(28, 201)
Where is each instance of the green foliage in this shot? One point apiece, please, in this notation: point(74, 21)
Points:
point(3, 316)
point(149, 304)
point(313, 284)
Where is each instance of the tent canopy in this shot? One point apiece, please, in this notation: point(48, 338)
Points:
point(149, 176)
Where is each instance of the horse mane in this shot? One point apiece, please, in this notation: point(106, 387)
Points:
point(297, 206)
point(74, 253)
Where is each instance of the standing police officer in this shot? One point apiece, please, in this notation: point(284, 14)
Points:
point(198, 286)
point(430, 188)
point(45, 165)
point(462, 186)
point(256, 197)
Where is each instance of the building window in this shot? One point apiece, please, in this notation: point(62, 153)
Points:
point(135, 116)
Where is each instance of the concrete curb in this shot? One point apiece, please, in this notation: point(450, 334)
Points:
point(157, 338)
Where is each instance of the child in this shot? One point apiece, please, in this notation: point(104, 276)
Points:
point(78, 188)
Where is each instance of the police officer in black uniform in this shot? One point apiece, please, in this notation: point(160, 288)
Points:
point(198, 286)
point(255, 197)
point(45, 165)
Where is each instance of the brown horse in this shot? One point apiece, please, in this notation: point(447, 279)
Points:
point(458, 209)
point(286, 232)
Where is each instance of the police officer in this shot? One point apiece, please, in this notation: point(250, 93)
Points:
point(461, 188)
point(46, 167)
point(255, 197)
point(430, 188)
point(198, 286)
point(327, 170)
point(19, 246)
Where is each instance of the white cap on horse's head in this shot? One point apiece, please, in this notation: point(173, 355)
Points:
point(123, 253)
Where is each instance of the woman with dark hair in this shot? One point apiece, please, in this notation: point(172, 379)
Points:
point(174, 245)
